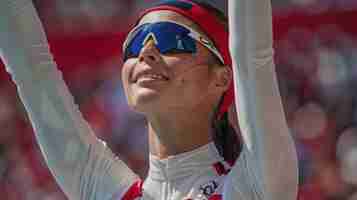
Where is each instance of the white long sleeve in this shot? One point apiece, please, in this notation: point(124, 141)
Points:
point(267, 167)
point(83, 165)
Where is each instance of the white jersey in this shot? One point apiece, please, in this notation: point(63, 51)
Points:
point(86, 169)
point(199, 175)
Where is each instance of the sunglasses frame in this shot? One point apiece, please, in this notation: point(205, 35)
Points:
point(193, 34)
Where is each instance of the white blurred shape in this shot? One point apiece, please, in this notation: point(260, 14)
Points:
point(332, 69)
point(347, 154)
point(309, 121)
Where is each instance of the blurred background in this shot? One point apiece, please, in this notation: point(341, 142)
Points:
point(316, 58)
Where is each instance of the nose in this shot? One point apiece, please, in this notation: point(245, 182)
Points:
point(149, 53)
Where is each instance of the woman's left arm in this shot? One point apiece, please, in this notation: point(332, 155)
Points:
point(267, 166)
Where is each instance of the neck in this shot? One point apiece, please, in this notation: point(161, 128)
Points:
point(178, 132)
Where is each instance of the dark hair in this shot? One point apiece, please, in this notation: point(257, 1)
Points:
point(225, 137)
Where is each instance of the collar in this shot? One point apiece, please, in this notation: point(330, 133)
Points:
point(183, 165)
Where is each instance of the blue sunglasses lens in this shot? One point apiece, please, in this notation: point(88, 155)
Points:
point(168, 37)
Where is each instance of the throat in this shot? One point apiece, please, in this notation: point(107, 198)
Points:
point(166, 140)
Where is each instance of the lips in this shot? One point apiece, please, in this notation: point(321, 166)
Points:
point(149, 75)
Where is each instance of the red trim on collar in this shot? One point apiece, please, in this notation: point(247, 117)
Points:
point(217, 33)
point(220, 169)
point(215, 197)
point(134, 191)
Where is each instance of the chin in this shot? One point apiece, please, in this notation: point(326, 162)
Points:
point(144, 101)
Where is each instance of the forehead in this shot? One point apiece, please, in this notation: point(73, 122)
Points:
point(167, 15)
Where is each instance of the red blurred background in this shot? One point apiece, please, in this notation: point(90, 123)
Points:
point(316, 58)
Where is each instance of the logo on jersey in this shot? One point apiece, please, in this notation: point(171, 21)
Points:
point(209, 188)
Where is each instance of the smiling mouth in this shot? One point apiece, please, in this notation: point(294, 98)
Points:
point(151, 78)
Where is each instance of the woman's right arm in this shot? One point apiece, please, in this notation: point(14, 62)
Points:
point(83, 165)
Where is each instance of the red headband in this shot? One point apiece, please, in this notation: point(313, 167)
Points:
point(213, 28)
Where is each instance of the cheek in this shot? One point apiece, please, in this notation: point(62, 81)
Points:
point(125, 74)
point(179, 65)
point(196, 82)
point(189, 75)
point(190, 85)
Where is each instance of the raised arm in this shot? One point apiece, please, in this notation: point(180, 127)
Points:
point(267, 167)
point(82, 164)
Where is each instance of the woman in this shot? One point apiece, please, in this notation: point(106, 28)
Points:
point(177, 72)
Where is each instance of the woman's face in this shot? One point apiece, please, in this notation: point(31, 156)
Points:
point(155, 82)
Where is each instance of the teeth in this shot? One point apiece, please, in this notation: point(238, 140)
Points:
point(154, 76)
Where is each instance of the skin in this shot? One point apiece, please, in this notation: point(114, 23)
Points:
point(179, 109)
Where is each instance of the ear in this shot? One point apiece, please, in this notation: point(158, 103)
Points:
point(223, 77)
